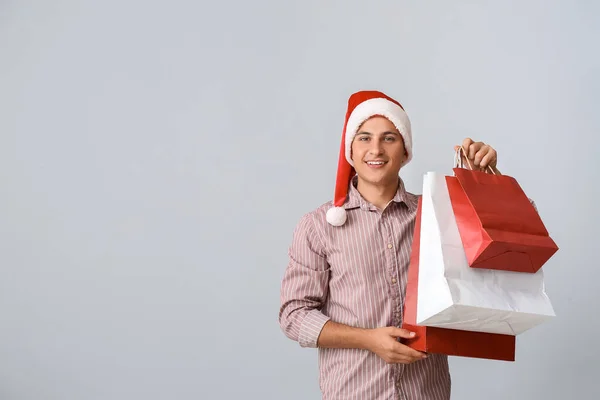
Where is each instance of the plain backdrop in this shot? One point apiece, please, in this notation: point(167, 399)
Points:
point(155, 157)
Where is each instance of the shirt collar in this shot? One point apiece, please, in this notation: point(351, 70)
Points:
point(355, 199)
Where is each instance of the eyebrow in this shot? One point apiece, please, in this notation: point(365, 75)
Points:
point(384, 133)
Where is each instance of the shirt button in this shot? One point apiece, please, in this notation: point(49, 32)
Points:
point(390, 246)
point(393, 280)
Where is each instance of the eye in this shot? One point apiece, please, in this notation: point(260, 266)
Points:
point(390, 138)
point(363, 138)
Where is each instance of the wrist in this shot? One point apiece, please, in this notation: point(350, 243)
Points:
point(364, 339)
point(335, 335)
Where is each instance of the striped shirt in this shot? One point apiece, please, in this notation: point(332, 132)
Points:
point(356, 275)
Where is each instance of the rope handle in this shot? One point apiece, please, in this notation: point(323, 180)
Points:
point(458, 160)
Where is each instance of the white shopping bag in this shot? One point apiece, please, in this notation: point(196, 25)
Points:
point(453, 295)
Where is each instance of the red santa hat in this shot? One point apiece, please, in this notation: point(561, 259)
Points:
point(362, 106)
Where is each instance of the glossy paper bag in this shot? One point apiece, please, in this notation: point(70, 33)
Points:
point(499, 226)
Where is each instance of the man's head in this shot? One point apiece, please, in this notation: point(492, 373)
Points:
point(373, 119)
point(378, 152)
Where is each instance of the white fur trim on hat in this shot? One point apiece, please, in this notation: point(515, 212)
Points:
point(336, 216)
point(383, 107)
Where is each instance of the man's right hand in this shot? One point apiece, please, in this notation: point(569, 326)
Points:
point(384, 342)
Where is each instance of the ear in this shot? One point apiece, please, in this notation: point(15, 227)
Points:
point(403, 159)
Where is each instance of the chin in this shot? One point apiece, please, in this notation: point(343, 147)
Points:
point(379, 179)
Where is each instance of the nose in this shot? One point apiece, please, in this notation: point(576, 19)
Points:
point(376, 148)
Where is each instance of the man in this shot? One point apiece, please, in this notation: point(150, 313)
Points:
point(343, 289)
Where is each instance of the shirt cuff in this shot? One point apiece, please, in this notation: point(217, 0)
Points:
point(311, 328)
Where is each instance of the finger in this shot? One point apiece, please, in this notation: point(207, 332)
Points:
point(483, 151)
point(401, 357)
point(402, 360)
point(489, 159)
point(474, 148)
point(402, 333)
point(416, 355)
point(466, 143)
point(406, 351)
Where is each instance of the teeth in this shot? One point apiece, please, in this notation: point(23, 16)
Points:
point(375, 162)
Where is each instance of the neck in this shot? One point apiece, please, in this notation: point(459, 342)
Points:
point(378, 195)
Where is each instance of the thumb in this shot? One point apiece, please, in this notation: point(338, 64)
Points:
point(402, 333)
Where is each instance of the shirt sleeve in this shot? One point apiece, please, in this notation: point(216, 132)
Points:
point(304, 286)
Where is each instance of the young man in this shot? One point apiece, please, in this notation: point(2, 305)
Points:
point(343, 289)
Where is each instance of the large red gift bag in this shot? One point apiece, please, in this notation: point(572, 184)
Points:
point(499, 226)
point(451, 342)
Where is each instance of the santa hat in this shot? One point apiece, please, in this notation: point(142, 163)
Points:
point(362, 106)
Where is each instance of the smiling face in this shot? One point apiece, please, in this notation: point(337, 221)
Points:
point(378, 152)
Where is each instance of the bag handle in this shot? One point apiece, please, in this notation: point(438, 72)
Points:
point(458, 160)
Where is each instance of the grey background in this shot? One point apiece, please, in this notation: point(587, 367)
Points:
point(156, 156)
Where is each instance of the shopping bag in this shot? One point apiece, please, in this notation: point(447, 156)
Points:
point(499, 226)
point(453, 295)
point(450, 342)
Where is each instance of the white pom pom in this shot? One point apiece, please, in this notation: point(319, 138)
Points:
point(336, 216)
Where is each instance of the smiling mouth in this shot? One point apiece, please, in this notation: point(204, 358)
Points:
point(376, 163)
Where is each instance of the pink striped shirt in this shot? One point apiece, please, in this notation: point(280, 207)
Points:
point(356, 275)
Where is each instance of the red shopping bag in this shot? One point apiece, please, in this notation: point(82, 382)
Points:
point(451, 342)
point(498, 225)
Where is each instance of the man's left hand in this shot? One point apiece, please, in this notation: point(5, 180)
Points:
point(480, 155)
